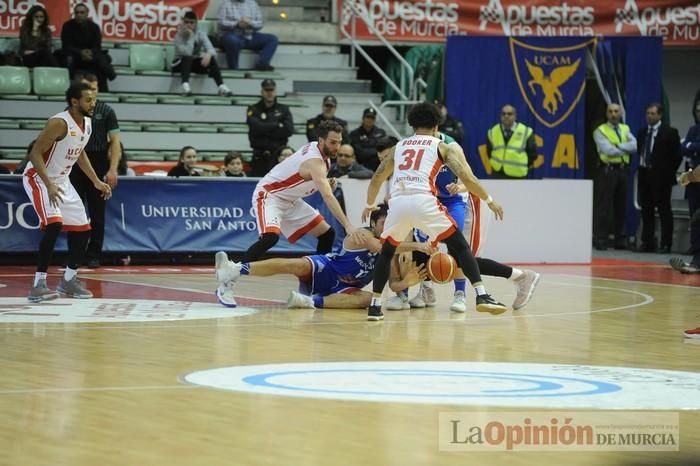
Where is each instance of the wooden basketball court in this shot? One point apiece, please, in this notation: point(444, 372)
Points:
point(114, 388)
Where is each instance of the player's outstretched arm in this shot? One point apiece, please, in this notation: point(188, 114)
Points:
point(317, 169)
point(383, 172)
point(454, 158)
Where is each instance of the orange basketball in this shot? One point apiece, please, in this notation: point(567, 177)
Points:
point(441, 267)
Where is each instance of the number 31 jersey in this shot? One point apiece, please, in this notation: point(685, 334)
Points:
point(416, 164)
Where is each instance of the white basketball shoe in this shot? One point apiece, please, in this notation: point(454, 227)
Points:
point(227, 273)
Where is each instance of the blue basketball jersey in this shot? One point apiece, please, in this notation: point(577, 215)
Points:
point(337, 272)
point(445, 176)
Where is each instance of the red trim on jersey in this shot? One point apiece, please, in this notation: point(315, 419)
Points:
point(85, 227)
point(444, 235)
point(51, 220)
point(290, 182)
point(37, 199)
point(433, 174)
point(304, 230)
point(391, 241)
point(260, 206)
point(475, 231)
point(49, 153)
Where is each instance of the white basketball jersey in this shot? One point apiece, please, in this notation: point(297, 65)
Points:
point(284, 179)
point(416, 164)
point(63, 154)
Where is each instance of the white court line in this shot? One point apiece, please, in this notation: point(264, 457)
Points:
point(93, 389)
point(641, 282)
point(647, 299)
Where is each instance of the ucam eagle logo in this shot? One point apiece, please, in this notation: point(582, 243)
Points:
point(551, 80)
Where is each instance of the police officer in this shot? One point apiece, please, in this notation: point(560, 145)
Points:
point(615, 143)
point(364, 139)
point(327, 113)
point(449, 125)
point(269, 126)
point(510, 146)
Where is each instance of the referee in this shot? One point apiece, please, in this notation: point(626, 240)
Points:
point(103, 142)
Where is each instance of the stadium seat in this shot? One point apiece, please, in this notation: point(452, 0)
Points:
point(190, 128)
point(146, 57)
point(14, 80)
point(208, 26)
point(50, 81)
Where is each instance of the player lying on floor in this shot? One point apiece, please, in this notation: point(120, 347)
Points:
point(332, 280)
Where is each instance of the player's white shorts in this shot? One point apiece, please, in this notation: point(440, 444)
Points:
point(70, 211)
point(291, 218)
point(419, 210)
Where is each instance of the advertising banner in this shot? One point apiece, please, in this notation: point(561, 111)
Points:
point(677, 21)
point(130, 20)
point(543, 78)
point(160, 215)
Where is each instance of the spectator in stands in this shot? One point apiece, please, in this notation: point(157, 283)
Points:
point(35, 39)
point(345, 165)
point(327, 113)
point(20, 166)
point(691, 152)
point(450, 125)
point(510, 146)
point(82, 47)
point(195, 53)
point(233, 165)
point(659, 149)
point(123, 169)
point(284, 152)
point(239, 24)
point(383, 146)
point(269, 126)
point(615, 143)
point(364, 139)
point(185, 164)
point(104, 151)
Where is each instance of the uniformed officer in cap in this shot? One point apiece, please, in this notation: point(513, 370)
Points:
point(270, 125)
point(329, 106)
point(364, 139)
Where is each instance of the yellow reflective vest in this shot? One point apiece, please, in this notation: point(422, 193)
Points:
point(512, 157)
point(612, 136)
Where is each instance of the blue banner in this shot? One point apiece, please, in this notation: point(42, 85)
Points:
point(542, 77)
point(160, 215)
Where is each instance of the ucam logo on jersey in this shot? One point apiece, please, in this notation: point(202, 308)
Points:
point(431, 21)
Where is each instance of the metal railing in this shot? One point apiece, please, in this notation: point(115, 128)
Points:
point(408, 89)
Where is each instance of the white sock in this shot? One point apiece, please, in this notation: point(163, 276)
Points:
point(39, 276)
point(428, 284)
point(376, 301)
point(516, 274)
point(480, 290)
point(69, 274)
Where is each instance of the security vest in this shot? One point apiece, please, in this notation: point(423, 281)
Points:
point(512, 156)
point(611, 136)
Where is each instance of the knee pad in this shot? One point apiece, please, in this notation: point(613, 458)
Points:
point(325, 241)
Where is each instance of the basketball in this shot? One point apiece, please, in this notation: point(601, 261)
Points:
point(441, 267)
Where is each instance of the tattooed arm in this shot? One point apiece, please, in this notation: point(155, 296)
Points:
point(454, 158)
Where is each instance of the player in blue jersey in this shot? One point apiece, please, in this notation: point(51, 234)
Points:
point(334, 280)
point(449, 190)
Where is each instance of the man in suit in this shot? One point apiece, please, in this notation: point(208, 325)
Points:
point(659, 149)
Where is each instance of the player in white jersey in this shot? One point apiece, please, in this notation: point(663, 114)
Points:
point(59, 146)
point(414, 162)
point(280, 208)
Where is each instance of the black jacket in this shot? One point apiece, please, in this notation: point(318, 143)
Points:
point(312, 124)
point(365, 145)
point(269, 128)
point(76, 37)
point(666, 152)
point(355, 170)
